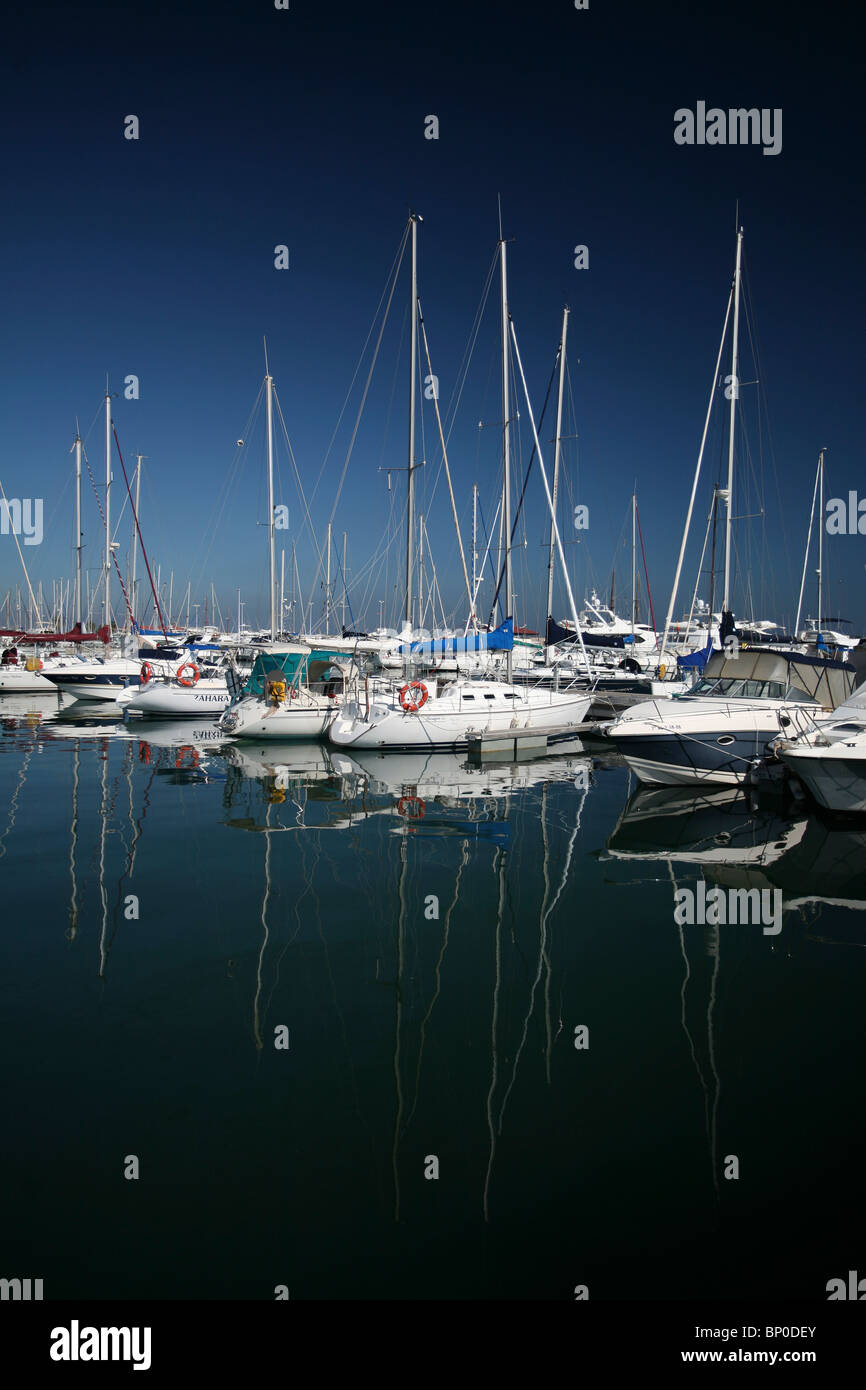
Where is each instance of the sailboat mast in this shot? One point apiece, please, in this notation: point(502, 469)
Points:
point(474, 549)
point(633, 561)
point(269, 381)
point(413, 367)
point(506, 445)
point(345, 583)
point(820, 539)
point(556, 459)
point(107, 596)
point(735, 391)
point(328, 585)
point(716, 492)
point(282, 588)
point(78, 546)
point(135, 524)
point(421, 571)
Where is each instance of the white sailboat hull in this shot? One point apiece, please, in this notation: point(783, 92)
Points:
point(305, 717)
point(447, 721)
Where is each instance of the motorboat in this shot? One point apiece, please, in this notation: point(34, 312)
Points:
point(717, 729)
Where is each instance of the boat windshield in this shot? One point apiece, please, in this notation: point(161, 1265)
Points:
point(733, 688)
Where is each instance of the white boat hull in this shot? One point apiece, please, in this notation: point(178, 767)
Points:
point(192, 702)
point(693, 743)
point(448, 721)
point(836, 776)
point(305, 717)
point(14, 680)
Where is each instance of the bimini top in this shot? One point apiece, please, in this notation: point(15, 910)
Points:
point(296, 664)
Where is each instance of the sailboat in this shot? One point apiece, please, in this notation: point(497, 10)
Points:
point(292, 688)
point(444, 714)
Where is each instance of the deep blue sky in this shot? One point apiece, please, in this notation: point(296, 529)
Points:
point(306, 127)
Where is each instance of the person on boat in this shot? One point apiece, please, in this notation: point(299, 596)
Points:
point(275, 688)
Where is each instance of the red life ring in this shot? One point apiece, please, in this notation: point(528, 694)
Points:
point(411, 807)
point(293, 692)
point(406, 700)
point(145, 673)
point(188, 666)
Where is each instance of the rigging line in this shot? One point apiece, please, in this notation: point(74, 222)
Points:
point(759, 373)
point(222, 498)
point(645, 570)
point(469, 350)
point(463, 370)
point(389, 279)
point(141, 543)
point(100, 410)
point(105, 528)
point(447, 469)
point(382, 555)
point(345, 591)
point(525, 482)
point(361, 406)
point(20, 556)
point(298, 481)
point(500, 869)
point(488, 558)
point(394, 382)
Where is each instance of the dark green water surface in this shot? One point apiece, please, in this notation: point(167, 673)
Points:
point(435, 938)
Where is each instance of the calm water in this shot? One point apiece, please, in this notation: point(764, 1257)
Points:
point(431, 935)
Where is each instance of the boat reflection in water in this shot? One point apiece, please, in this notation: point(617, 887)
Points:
point(296, 788)
point(740, 844)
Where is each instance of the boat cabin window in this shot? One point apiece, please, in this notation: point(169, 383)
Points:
point(469, 697)
point(490, 697)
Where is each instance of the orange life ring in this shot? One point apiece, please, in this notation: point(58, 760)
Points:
point(406, 700)
point(145, 673)
point(411, 807)
point(188, 666)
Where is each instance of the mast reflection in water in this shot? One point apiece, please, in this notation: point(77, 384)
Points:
point(506, 1070)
